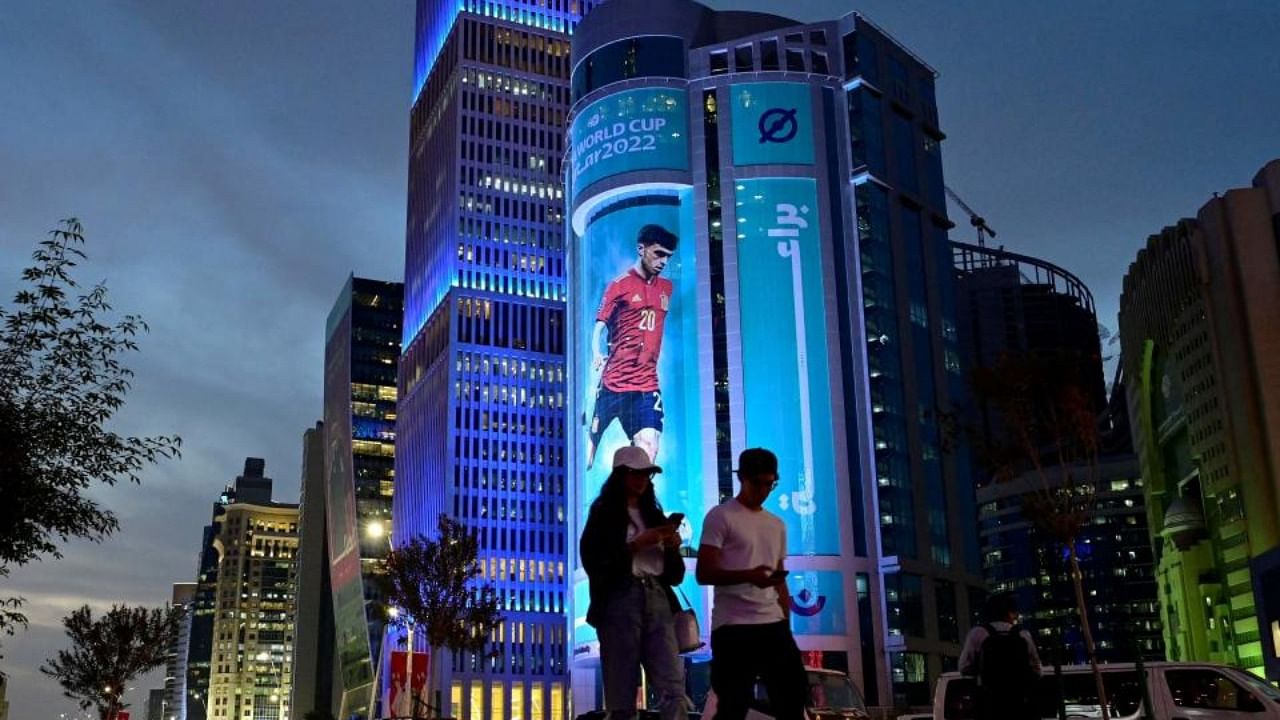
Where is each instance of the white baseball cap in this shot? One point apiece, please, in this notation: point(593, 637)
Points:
point(633, 458)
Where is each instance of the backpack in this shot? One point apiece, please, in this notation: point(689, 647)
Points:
point(1004, 661)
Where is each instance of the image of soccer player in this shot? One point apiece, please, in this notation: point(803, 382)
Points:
point(626, 341)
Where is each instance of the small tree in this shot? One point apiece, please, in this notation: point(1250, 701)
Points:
point(431, 583)
point(108, 653)
point(1049, 430)
point(61, 381)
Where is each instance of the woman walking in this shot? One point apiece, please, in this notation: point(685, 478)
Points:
point(631, 552)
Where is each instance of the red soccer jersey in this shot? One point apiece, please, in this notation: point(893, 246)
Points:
point(635, 312)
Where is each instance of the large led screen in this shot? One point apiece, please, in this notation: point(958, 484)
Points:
point(786, 378)
point(817, 602)
point(772, 123)
point(645, 129)
point(636, 348)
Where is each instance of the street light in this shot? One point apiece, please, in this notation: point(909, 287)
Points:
point(374, 530)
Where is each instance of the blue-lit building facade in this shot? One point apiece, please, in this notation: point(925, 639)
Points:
point(808, 306)
point(362, 350)
point(481, 427)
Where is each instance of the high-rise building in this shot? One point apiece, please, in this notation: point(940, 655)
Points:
point(251, 666)
point(1201, 355)
point(362, 348)
point(1014, 305)
point(251, 486)
point(1114, 551)
point(175, 663)
point(313, 644)
point(482, 377)
point(800, 297)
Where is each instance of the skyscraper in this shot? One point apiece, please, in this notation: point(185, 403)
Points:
point(251, 666)
point(313, 637)
point(1201, 355)
point(481, 418)
point(1018, 306)
point(1114, 551)
point(175, 664)
point(792, 172)
point(362, 348)
point(251, 486)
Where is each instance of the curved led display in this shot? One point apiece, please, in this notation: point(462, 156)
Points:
point(644, 129)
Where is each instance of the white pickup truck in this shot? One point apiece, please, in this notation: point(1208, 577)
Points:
point(1179, 691)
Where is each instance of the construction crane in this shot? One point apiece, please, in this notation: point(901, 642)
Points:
point(977, 221)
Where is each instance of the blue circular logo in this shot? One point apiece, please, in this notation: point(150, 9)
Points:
point(777, 125)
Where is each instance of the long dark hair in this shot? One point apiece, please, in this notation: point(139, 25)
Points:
point(612, 501)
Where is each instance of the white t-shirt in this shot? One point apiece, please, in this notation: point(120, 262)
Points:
point(747, 539)
point(648, 561)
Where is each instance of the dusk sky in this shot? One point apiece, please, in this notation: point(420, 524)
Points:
point(233, 161)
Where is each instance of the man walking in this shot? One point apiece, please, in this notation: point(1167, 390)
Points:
point(1003, 659)
point(742, 554)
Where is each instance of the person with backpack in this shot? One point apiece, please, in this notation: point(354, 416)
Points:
point(1001, 656)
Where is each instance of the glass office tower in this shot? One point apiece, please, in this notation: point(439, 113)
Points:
point(362, 348)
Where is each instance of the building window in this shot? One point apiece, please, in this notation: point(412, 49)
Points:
point(719, 62)
point(743, 58)
point(769, 55)
point(477, 700)
point(819, 63)
point(795, 60)
point(910, 678)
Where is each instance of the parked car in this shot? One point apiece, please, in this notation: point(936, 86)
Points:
point(1179, 691)
point(832, 696)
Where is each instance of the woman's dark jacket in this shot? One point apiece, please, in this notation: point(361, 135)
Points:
point(607, 560)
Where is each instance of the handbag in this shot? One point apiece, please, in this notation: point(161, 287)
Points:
point(688, 634)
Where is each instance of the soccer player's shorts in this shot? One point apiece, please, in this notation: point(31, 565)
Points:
point(635, 409)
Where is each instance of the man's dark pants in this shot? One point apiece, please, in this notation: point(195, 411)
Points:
point(741, 653)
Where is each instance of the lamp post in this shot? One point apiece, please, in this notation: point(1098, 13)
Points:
point(376, 530)
point(408, 661)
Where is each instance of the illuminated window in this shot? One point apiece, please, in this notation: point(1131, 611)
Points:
point(455, 698)
point(557, 701)
point(497, 704)
point(517, 700)
point(477, 700)
point(535, 702)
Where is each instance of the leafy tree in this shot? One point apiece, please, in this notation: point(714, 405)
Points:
point(108, 653)
point(1049, 432)
point(431, 587)
point(61, 381)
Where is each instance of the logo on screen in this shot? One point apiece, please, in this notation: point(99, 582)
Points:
point(777, 125)
point(807, 604)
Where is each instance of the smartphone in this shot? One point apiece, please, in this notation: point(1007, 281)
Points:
point(675, 519)
point(779, 574)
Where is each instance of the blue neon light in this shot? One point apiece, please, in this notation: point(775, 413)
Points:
point(435, 20)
